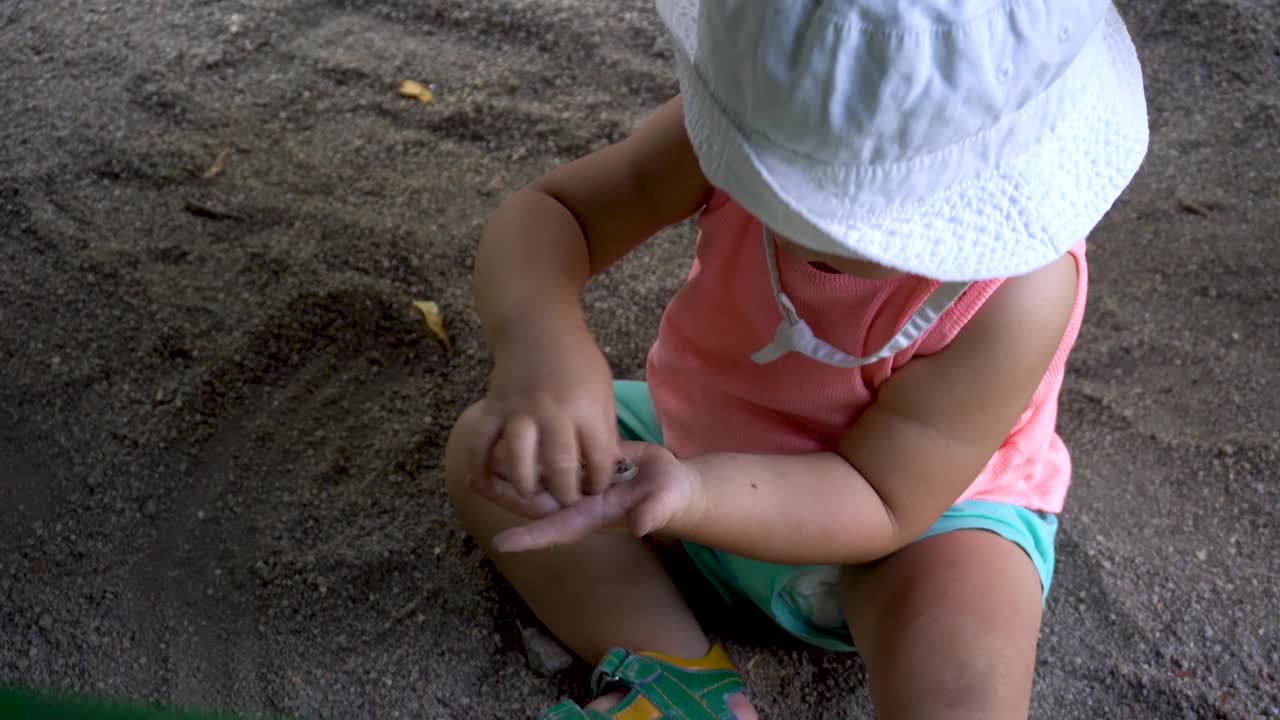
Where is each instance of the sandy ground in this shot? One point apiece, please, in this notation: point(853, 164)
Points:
point(221, 421)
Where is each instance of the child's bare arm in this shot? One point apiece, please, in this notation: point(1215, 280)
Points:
point(544, 243)
point(934, 426)
point(550, 402)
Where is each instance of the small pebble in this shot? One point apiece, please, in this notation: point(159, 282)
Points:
point(45, 621)
point(149, 508)
point(544, 654)
point(263, 571)
point(624, 470)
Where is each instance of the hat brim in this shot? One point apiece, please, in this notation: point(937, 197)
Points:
point(1018, 217)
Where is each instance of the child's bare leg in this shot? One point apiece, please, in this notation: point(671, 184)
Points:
point(948, 627)
point(610, 590)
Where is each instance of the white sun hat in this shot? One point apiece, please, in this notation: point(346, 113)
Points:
point(953, 139)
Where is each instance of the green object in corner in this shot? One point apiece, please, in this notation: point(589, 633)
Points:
point(21, 704)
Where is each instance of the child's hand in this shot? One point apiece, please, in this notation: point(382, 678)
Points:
point(664, 491)
point(549, 415)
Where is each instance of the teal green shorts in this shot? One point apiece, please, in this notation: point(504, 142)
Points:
point(804, 599)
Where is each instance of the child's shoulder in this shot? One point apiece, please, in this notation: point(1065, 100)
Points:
point(1028, 314)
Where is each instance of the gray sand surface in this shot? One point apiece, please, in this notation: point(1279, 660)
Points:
point(221, 420)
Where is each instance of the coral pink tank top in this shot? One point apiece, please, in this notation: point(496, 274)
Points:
point(711, 396)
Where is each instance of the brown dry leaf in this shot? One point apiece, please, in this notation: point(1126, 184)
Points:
point(416, 90)
point(435, 321)
point(219, 165)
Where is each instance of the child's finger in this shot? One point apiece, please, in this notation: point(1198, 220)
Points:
point(501, 493)
point(593, 513)
point(561, 528)
point(519, 453)
point(600, 454)
point(651, 513)
point(643, 453)
point(480, 447)
point(560, 459)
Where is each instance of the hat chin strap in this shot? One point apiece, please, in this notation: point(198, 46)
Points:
point(795, 335)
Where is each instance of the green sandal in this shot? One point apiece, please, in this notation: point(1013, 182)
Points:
point(659, 687)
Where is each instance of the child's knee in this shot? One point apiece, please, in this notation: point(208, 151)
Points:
point(949, 667)
point(969, 686)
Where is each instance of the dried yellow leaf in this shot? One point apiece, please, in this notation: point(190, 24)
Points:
point(218, 166)
point(435, 321)
point(416, 90)
point(411, 88)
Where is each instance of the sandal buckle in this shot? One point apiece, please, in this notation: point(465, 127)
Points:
point(607, 672)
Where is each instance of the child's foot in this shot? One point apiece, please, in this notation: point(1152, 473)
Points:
point(739, 704)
